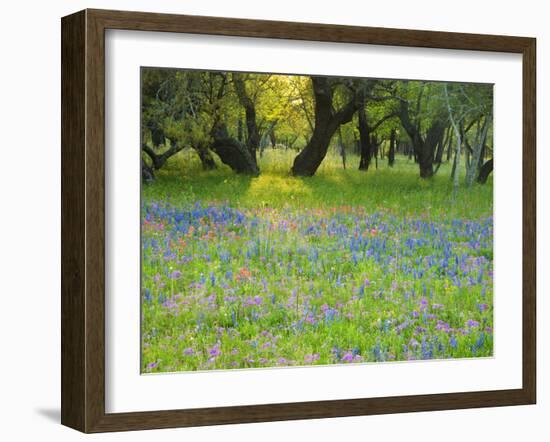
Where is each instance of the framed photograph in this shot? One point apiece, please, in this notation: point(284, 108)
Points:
point(266, 221)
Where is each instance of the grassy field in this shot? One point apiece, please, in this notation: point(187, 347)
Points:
point(343, 267)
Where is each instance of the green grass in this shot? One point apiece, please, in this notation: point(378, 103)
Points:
point(345, 266)
point(398, 189)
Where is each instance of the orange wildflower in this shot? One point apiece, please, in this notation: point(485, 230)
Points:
point(245, 273)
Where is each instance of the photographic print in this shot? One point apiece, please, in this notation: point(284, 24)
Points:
point(299, 220)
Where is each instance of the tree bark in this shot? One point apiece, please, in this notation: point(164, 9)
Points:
point(368, 141)
point(365, 144)
point(327, 122)
point(423, 147)
point(450, 146)
point(438, 159)
point(391, 151)
point(232, 152)
point(441, 147)
point(158, 160)
point(473, 170)
point(485, 171)
point(207, 160)
point(268, 135)
point(341, 147)
point(147, 173)
point(376, 148)
point(455, 172)
point(240, 135)
point(427, 148)
point(253, 136)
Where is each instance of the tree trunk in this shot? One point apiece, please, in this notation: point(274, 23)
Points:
point(438, 159)
point(424, 148)
point(147, 174)
point(391, 151)
point(232, 152)
point(365, 144)
point(455, 173)
point(456, 163)
point(473, 170)
point(240, 133)
point(426, 167)
point(450, 146)
point(268, 135)
point(272, 139)
point(376, 147)
point(253, 135)
point(341, 147)
point(327, 122)
point(485, 171)
point(207, 160)
point(309, 159)
point(441, 148)
point(159, 159)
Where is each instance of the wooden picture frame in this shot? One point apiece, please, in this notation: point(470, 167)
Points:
point(83, 220)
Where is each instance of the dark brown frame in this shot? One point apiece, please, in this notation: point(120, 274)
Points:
point(83, 216)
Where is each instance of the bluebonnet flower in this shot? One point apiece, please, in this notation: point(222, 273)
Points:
point(348, 357)
point(176, 274)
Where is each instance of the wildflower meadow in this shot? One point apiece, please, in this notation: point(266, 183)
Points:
point(343, 267)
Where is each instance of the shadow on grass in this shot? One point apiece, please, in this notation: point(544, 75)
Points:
point(398, 189)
